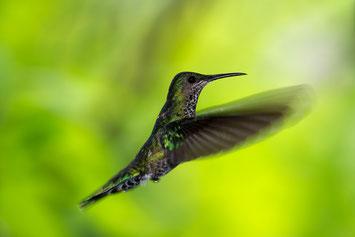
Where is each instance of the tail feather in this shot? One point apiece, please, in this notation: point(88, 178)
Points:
point(115, 185)
point(92, 199)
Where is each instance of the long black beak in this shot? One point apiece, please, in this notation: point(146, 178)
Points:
point(219, 76)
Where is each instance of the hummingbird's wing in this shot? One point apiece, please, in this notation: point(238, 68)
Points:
point(224, 127)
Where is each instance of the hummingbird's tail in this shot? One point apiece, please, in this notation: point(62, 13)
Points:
point(92, 199)
point(123, 181)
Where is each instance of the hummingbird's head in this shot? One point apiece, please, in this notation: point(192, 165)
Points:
point(185, 89)
point(188, 85)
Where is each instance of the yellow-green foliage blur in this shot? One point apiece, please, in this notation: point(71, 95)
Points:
point(82, 82)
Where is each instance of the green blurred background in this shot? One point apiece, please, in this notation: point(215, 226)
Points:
point(81, 84)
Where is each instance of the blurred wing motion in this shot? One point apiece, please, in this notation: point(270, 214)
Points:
point(224, 127)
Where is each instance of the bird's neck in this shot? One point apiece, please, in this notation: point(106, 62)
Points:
point(179, 109)
point(176, 108)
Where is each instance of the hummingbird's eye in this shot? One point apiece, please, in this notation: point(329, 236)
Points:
point(191, 79)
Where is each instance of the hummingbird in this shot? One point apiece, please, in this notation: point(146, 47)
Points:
point(180, 134)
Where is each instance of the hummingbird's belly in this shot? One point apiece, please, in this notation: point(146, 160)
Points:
point(158, 165)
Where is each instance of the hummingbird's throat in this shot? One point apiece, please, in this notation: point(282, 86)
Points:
point(189, 107)
point(191, 99)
